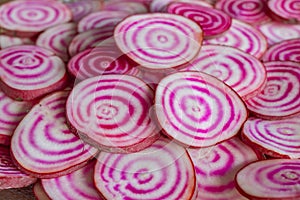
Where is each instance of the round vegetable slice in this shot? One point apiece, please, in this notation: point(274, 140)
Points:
point(216, 167)
point(277, 31)
point(242, 72)
point(32, 16)
point(212, 21)
point(281, 96)
point(242, 36)
point(43, 146)
point(270, 179)
point(76, 185)
point(12, 112)
point(287, 9)
point(111, 112)
point(28, 72)
point(57, 39)
point(10, 176)
point(288, 50)
point(197, 109)
point(101, 61)
point(162, 171)
point(276, 138)
point(101, 19)
point(8, 41)
point(250, 11)
point(158, 40)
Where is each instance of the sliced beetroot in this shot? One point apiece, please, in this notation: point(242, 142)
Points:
point(161, 6)
point(28, 72)
point(131, 7)
point(76, 185)
point(12, 112)
point(42, 144)
point(212, 21)
point(243, 72)
point(197, 109)
point(111, 112)
point(101, 19)
point(250, 11)
point(158, 40)
point(288, 50)
point(287, 9)
point(216, 167)
point(29, 17)
point(162, 171)
point(101, 61)
point(8, 41)
point(10, 176)
point(57, 39)
point(272, 179)
point(281, 96)
point(91, 38)
point(278, 31)
point(276, 138)
point(242, 36)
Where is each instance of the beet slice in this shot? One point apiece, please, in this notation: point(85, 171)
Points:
point(242, 36)
point(28, 72)
point(10, 176)
point(42, 144)
point(243, 72)
point(29, 17)
point(272, 179)
point(276, 138)
point(287, 9)
point(8, 41)
point(101, 19)
point(162, 171)
point(281, 96)
point(57, 39)
point(288, 50)
point(250, 11)
point(197, 109)
point(213, 22)
point(216, 168)
point(76, 185)
point(12, 112)
point(111, 112)
point(158, 40)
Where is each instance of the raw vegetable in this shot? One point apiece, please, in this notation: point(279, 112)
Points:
point(287, 9)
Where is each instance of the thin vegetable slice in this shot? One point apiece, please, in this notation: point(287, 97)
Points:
point(8, 41)
point(76, 185)
point(129, 7)
point(250, 11)
point(162, 171)
point(10, 176)
point(29, 17)
point(281, 95)
point(288, 50)
point(158, 40)
point(28, 72)
point(101, 19)
point(197, 109)
point(111, 112)
point(216, 167)
point(212, 21)
point(242, 72)
point(12, 112)
point(287, 9)
point(270, 179)
point(277, 31)
point(57, 39)
point(276, 138)
point(242, 36)
point(42, 144)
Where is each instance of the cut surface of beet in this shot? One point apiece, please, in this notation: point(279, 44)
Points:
point(162, 171)
point(197, 109)
point(287, 9)
point(8, 41)
point(42, 144)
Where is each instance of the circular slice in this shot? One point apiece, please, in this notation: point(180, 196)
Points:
point(287, 9)
point(197, 109)
point(158, 40)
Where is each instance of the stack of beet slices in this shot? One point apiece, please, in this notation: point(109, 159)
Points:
point(150, 99)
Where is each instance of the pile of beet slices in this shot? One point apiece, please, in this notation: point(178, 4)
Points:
point(150, 99)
